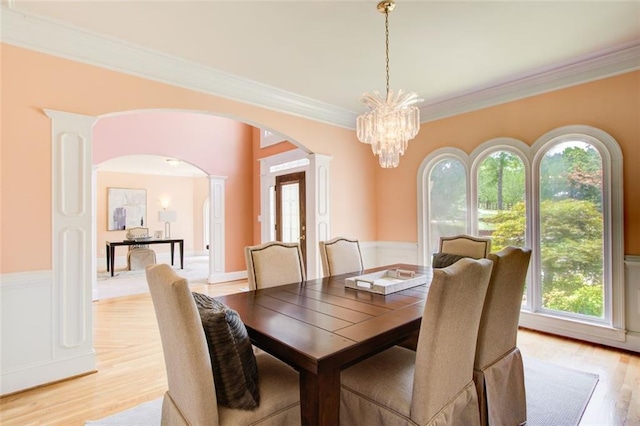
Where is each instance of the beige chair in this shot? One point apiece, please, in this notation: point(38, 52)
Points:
point(454, 247)
point(466, 245)
point(139, 256)
point(433, 385)
point(340, 255)
point(274, 263)
point(191, 398)
point(498, 370)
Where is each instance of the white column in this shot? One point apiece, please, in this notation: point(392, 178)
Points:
point(318, 210)
point(216, 227)
point(73, 248)
point(94, 231)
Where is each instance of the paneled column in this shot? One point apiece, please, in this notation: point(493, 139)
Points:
point(73, 250)
point(318, 210)
point(216, 227)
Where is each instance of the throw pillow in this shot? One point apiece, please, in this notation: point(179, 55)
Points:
point(442, 260)
point(235, 371)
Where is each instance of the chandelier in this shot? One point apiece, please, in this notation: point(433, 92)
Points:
point(392, 121)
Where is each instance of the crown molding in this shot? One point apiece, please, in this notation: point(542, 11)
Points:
point(66, 41)
point(619, 60)
point(69, 42)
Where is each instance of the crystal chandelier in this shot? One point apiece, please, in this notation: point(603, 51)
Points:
point(392, 121)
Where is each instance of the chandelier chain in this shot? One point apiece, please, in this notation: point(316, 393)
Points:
point(386, 28)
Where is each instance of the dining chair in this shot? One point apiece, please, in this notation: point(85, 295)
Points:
point(466, 245)
point(340, 255)
point(434, 384)
point(274, 263)
point(498, 370)
point(191, 397)
point(139, 256)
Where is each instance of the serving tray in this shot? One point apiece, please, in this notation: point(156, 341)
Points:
point(386, 282)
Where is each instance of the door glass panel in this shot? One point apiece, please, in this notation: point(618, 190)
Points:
point(447, 201)
point(290, 213)
point(571, 230)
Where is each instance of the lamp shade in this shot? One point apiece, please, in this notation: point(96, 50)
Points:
point(167, 216)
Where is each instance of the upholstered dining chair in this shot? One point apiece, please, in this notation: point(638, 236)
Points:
point(139, 255)
point(340, 255)
point(452, 249)
point(274, 263)
point(433, 385)
point(466, 245)
point(498, 370)
point(191, 398)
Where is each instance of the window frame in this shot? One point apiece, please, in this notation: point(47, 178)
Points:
point(612, 210)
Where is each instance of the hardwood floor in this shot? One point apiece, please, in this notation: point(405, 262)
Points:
point(131, 370)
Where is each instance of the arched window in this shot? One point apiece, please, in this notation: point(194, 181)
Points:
point(562, 197)
point(444, 198)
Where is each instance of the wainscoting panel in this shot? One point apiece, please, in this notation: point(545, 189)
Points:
point(632, 293)
point(30, 353)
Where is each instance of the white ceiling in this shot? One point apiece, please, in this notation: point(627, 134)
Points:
point(330, 52)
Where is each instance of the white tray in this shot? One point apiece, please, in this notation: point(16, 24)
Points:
point(385, 282)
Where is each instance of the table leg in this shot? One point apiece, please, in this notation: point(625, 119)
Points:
point(107, 251)
point(112, 252)
point(320, 398)
point(181, 243)
point(173, 245)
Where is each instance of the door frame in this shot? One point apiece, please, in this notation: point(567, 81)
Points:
point(289, 179)
point(317, 212)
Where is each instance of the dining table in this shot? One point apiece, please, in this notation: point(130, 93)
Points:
point(321, 326)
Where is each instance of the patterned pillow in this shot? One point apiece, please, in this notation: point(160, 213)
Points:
point(235, 371)
point(442, 260)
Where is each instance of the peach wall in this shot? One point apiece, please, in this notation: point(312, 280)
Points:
point(610, 104)
point(185, 193)
point(32, 81)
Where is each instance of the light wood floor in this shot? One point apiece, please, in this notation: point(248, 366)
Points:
point(131, 370)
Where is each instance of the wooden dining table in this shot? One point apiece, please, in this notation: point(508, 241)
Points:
point(320, 327)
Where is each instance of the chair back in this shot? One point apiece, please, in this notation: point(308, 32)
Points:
point(448, 335)
point(137, 232)
point(340, 255)
point(501, 313)
point(186, 355)
point(466, 245)
point(274, 263)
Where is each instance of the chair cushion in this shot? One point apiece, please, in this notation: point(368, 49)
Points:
point(235, 371)
point(442, 260)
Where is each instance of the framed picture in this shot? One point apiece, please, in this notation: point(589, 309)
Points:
point(126, 208)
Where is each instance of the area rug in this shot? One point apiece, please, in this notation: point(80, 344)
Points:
point(556, 396)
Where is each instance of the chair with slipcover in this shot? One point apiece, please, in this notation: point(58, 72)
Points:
point(340, 255)
point(274, 263)
point(139, 256)
point(191, 397)
point(498, 369)
point(434, 384)
point(455, 247)
point(452, 249)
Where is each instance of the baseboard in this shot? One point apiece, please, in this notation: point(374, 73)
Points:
point(46, 373)
point(227, 276)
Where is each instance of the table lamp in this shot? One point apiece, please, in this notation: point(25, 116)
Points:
point(167, 216)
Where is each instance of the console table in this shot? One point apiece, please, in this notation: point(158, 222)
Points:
point(111, 248)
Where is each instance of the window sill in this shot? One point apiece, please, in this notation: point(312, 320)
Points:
point(575, 329)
